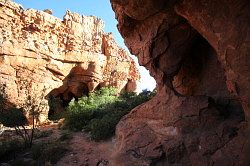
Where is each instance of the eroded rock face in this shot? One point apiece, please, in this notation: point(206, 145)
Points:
point(198, 53)
point(73, 56)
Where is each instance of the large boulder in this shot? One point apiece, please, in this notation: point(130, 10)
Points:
point(198, 53)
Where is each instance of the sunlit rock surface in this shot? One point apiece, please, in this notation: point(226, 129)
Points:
point(41, 54)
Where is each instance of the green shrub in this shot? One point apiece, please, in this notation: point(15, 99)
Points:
point(9, 148)
point(104, 128)
point(100, 112)
point(37, 150)
point(81, 112)
point(54, 153)
point(65, 136)
point(42, 134)
point(48, 152)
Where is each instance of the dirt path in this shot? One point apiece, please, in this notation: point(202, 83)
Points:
point(82, 150)
point(85, 152)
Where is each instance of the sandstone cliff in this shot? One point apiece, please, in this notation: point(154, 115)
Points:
point(41, 55)
point(198, 52)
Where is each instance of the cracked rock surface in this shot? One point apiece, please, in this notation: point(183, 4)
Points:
point(71, 56)
point(198, 52)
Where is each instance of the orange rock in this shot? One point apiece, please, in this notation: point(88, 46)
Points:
point(41, 52)
point(198, 53)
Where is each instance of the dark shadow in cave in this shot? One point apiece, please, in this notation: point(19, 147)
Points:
point(193, 64)
point(200, 75)
point(206, 77)
point(200, 72)
point(74, 86)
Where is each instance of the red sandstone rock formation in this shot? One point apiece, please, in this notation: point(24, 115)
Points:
point(70, 56)
point(198, 53)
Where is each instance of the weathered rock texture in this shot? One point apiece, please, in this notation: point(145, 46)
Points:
point(73, 56)
point(198, 52)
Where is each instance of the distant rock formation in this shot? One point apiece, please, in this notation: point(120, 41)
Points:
point(40, 53)
point(198, 52)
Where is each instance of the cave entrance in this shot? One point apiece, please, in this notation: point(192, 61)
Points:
point(198, 62)
point(59, 98)
point(189, 63)
point(191, 68)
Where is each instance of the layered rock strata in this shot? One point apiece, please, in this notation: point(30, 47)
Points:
point(198, 53)
point(41, 54)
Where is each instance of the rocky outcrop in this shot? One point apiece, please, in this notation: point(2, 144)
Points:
point(198, 53)
point(41, 55)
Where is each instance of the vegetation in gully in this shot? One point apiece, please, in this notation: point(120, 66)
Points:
point(100, 112)
point(96, 114)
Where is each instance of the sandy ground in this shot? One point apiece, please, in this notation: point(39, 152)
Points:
point(85, 152)
point(82, 150)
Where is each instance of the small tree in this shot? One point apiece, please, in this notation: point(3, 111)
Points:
point(33, 107)
point(12, 117)
point(15, 118)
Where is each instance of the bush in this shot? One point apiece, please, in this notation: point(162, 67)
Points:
point(81, 112)
point(14, 117)
point(100, 112)
point(41, 134)
point(54, 153)
point(104, 128)
point(65, 136)
point(9, 148)
point(48, 152)
point(36, 150)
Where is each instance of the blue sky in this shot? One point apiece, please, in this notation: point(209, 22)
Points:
point(99, 8)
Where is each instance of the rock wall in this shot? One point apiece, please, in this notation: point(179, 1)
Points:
point(41, 54)
point(198, 53)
